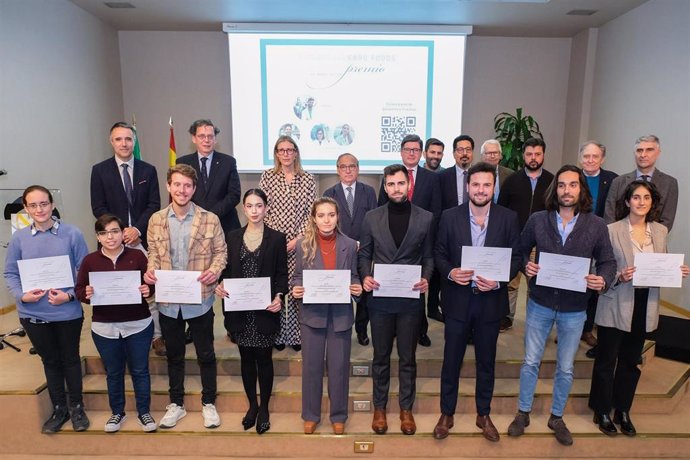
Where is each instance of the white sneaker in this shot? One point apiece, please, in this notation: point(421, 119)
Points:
point(114, 423)
point(172, 416)
point(211, 418)
point(147, 422)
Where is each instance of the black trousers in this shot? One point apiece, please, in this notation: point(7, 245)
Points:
point(173, 330)
point(57, 344)
point(591, 312)
point(385, 328)
point(615, 374)
point(456, 335)
point(434, 300)
point(362, 314)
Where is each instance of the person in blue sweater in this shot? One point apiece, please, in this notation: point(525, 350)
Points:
point(51, 317)
point(567, 227)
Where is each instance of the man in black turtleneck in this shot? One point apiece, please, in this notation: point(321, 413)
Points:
point(395, 233)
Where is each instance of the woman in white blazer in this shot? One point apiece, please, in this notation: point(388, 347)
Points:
point(626, 313)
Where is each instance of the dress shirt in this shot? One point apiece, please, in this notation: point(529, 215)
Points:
point(568, 228)
point(208, 163)
point(533, 180)
point(462, 183)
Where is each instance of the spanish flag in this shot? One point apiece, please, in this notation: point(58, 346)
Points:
point(172, 153)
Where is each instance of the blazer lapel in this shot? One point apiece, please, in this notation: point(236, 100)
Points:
point(215, 170)
point(625, 243)
point(385, 232)
point(414, 213)
point(116, 172)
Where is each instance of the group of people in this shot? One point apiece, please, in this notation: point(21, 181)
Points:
point(423, 217)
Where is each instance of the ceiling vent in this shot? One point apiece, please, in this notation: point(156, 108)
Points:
point(581, 12)
point(119, 5)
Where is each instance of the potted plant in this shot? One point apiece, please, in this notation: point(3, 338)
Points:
point(512, 131)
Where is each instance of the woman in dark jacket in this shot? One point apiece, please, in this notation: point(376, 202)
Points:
point(256, 251)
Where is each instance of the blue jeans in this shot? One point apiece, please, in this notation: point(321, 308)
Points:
point(134, 351)
point(538, 325)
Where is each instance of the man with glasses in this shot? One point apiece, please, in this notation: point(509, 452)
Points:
point(491, 153)
point(423, 191)
point(219, 188)
point(354, 199)
point(454, 180)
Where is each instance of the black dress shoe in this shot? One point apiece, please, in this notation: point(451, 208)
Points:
point(424, 340)
point(297, 347)
point(592, 352)
point(362, 339)
point(279, 346)
point(437, 315)
point(263, 423)
point(606, 426)
point(622, 418)
point(249, 419)
point(188, 337)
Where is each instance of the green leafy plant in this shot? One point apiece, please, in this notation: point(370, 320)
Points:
point(512, 131)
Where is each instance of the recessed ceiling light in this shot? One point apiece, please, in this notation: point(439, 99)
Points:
point(581, 12)
point(119, 5)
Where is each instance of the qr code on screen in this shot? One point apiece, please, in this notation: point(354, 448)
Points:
point(394, 129)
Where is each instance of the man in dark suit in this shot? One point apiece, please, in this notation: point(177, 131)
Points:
point(128, 188)
point(396, 233)
point(423, 191)
point(219, 188)
point(591, 157)
point(453, 180)
point(647, 151)
point(354, 199)
point(473, 303)
point(493, 154)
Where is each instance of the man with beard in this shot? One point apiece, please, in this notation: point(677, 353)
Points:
point(433, 154)
point(524, 192)
point(395, 319)
point(567, 227)
point(454, 180)
point(473, 303)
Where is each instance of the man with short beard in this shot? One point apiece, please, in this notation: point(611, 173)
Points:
point(454, 180)
point(433, 154)
point(524, 193)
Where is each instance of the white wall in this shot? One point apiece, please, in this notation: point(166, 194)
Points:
point(504, 73)
point(60, 90)
point(642, 86)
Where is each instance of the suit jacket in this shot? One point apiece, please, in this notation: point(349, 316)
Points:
point(454, 232)
point(427, 190)
point(377, 246)
point(665, 184)
point(449, 188)
point(615, 307)
point(222, 192)
point(605, 179)
point(365, 201)
point(272, 263)
point(503, 173)
point(108, 193)
point(316, 315)
point(207, 248)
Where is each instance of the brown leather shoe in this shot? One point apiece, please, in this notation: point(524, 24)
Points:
point(407, 424)
point(309, 427)
point(589, 339)
point(379, 424)
point(444, 424)
point(488, 429)
point(158, 346)
point(338, 428)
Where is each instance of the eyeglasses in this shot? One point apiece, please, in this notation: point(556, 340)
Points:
point(466, 150)
point(409, 150)
point(205, 137)
point(42, 205)
point(106, 233)
point(347, 167)
point(286, 151)
point(491, 154)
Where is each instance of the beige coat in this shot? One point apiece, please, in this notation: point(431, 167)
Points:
point(615, 307)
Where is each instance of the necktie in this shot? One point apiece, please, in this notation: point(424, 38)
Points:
point(410, 190)
point(462, 188)
point(128, 183)
point(204, 171)
point(350, 201)
point(646, 178)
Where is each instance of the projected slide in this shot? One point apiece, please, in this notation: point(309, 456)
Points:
point(335, 95)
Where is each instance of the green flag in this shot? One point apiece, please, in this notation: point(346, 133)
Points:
point(137, 150)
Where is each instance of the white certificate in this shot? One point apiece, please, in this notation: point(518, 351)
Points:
point(326, 286)
point(46, 273)
point(247, 293)
point(397, 280)
point(563, 272)
point(178, 286)
point(115, 288)
point(490, 263)
point(658, 270)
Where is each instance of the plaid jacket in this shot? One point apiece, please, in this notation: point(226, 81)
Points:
point(207, 248)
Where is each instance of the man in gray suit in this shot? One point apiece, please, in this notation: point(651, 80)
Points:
point(493, 154)
point(396, 233)
point(647, 151)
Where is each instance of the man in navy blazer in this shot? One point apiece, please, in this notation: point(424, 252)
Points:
point(647, 151)
point(108, 186)
point(218, 189)
point(363, 199)
point(396, 233)
point(453, 180)
point(473, 304)
point(424, 191)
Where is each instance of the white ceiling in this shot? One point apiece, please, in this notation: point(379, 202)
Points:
point(520, 18)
